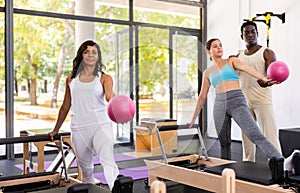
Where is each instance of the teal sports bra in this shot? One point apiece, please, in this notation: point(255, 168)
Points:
point(225, 74)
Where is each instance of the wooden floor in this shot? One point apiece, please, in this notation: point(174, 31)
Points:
point(185, 146)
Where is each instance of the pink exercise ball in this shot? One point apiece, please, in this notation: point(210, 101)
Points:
point(121, 109)
point(278, 71)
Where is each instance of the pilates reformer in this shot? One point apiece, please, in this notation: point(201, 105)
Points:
point(40, 180)
point(57, 163)
point(207, 173)
point(53, 181)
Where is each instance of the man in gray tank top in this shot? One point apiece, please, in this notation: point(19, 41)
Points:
point(258, 96)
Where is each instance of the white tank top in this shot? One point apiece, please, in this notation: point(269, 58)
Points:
point(87, 104)
point(253, 92)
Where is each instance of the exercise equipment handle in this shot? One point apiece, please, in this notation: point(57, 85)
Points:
point(26, 139)
point(175, 127)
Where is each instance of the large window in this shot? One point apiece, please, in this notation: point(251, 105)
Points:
point(43, 53)
point(136, 54)
point(44, 49)
point(153, 73)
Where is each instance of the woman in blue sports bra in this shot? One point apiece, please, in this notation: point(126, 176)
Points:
point(230, 101)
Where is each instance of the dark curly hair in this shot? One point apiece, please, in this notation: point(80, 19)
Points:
point(77, 68)
point(248, 23)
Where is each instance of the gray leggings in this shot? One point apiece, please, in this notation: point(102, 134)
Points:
point(232, 104)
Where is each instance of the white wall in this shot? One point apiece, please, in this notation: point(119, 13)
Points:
point(224, 20)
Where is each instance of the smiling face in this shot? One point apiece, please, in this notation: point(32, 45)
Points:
point(90, 56)
point(249, 35)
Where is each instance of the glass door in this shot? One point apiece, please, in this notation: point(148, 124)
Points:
point(184, 69)
point(168, 71)
point(116, 59)
point(153, 72)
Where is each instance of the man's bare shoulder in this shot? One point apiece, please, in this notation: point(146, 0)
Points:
point(269, 51)
point(269, 55)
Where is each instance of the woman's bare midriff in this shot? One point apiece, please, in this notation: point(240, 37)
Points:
point(228, 86)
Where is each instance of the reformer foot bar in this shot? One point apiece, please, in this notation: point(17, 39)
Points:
point(202, 149)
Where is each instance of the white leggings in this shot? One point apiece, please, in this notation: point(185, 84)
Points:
point(98, 141)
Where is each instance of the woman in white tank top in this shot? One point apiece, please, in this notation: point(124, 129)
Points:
point(91, 129)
